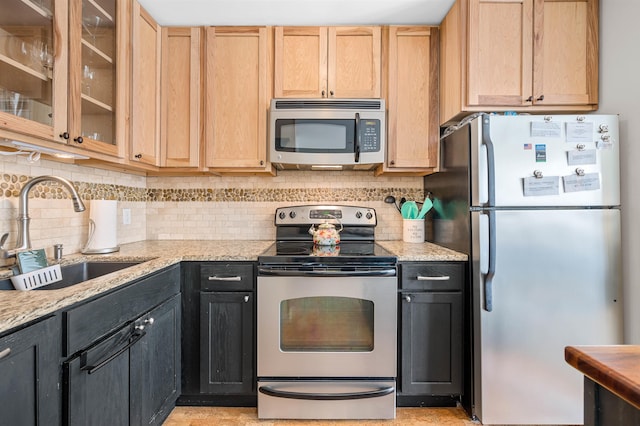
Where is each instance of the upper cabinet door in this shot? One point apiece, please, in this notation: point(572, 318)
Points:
point(96, 51)
point(412, 100)
point(237, 99)
point(500, 52)
point(300, 59)
point(181, 96)
point(33, 67)
point(327, 62)
point(354, 57)
point(565, 52)
point(145, 114)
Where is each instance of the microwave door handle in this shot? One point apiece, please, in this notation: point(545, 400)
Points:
point(357, 147)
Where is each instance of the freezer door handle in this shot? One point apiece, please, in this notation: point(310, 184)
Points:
point(490, 172)
point(488, 264)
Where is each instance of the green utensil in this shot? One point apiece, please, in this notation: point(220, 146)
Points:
point(426, 206)
point(409, 210)
point(437, 207)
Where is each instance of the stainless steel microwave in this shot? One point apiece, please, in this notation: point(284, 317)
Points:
point(327, 134)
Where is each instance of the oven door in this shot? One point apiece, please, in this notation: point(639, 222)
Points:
point(339, 327)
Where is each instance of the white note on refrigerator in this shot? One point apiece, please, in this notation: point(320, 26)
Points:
point(586, 182)
point(537, 186)
point(580, 132)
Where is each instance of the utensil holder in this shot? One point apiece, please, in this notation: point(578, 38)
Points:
point(413, 230)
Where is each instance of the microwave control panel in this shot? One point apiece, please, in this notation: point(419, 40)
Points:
point(369, 135)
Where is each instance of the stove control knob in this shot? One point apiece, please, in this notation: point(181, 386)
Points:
point(358, 214)
point(292, 214)
point(369, 215)
point(282, 215)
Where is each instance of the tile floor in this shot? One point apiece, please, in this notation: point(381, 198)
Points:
point(226, 416)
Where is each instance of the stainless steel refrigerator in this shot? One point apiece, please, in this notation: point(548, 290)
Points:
point(535, 202)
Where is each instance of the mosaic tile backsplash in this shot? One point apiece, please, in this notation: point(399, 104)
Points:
point(193, 208)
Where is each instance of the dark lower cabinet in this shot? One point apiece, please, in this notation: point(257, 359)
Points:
point(123, 362)
point(30, 375)
point(218, 344)
point(431, 333)
point(130, 378)
point(226, 351)
point(431, 343)
point(157, 371)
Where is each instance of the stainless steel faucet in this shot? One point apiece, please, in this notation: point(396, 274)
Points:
point(24, 240)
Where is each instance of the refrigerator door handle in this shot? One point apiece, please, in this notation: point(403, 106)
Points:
point(491, 261)
point(490, 161)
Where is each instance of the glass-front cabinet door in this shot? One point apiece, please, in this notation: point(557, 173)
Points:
point(33, 67)
point(95, 62)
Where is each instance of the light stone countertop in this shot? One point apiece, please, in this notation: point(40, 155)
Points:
point(422, 252)
point(21, 307)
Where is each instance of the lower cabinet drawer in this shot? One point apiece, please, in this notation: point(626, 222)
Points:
point(432, 276)
point(226, 276)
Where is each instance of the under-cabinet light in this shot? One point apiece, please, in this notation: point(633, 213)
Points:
point(23, 146)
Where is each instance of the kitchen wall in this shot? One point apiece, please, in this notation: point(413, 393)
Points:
point(620, 93)
point(53, 219)
point(193, 208)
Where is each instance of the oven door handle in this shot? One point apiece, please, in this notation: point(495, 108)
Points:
point(390, 272)
point(269, 390)
point(133, 339)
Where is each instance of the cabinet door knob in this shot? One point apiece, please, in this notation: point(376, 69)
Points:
point(138, 156)
point(331, 93)
point(246, 299)
point(541, 98)
point(323, 93)
point(65, 135)
point(529, 99)
point(79, 139)
point(407, 299)
point(149, 321)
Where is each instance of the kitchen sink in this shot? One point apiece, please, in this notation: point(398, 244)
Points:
point(77, 273)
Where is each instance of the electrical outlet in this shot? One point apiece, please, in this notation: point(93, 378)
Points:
point(126, 216)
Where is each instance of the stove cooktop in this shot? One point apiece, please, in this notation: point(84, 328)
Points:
point(301, 252)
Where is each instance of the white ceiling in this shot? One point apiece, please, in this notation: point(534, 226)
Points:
point(296, 12)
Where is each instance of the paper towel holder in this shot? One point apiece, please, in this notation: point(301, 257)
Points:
point(87, 250)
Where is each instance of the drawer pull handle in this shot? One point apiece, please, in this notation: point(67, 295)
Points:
point(439, 278)
point(5, 353)
point(225, 278)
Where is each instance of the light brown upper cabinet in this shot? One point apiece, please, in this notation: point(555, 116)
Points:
point(145, 114)
point(99, 57)
point(238, 82)
point(412, 100)
point(181, 97)
point(327, 62)
point(520, 55)
point(63, 74)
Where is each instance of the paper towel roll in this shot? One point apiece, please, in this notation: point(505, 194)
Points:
point(104, 214)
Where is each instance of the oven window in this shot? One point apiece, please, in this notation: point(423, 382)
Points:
point(318, 136)
point(326, 324)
